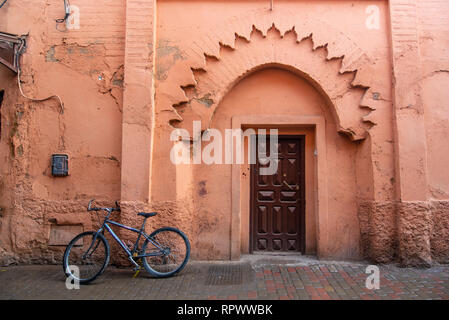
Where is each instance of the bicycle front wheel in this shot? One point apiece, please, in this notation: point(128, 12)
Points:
point(169, 253)
point(86, 257)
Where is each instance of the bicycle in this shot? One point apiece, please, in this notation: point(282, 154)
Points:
point(168, 249)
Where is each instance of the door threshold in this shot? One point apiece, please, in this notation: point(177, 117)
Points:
point(272, 253)
point(281, 258)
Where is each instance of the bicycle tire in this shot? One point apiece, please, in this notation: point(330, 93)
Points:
point(151, 269)
point(71, 245)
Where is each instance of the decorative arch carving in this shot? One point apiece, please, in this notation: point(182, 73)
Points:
point(338, 69)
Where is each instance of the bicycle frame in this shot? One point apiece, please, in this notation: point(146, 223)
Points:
point(130, 253)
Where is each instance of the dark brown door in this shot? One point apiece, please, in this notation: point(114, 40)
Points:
point(277, 201)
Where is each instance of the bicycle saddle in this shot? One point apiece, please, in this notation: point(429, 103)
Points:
point(147, 215)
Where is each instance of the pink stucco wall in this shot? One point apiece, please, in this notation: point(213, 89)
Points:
point(135, 70)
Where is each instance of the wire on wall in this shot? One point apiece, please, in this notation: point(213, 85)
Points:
point(19, 53)
point(38, 100)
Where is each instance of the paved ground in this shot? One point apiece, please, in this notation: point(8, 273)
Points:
point(255, 277)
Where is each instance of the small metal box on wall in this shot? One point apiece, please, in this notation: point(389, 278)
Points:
point(60, 165)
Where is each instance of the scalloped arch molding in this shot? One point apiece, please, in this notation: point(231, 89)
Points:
point(212, 65)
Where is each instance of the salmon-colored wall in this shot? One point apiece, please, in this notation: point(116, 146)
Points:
point(85, 68)
point(136, 70)
point(434, 43)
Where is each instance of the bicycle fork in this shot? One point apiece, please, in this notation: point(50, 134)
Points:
point(87, 254)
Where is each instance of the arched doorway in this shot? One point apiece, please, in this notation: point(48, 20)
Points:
point(275, 98)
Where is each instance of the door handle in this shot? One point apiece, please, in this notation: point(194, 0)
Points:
point(290, 187)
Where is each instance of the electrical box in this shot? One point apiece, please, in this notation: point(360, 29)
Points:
point(60, 165)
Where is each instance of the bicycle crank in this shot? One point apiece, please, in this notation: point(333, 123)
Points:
point(138, 266)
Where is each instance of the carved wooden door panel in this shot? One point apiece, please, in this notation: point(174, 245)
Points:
point(278, 201)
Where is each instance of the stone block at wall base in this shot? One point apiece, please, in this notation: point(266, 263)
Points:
point(414, 231)
point(169, 213)
point(439, 240)
point(411, 233)
point(378, 231)
point(7, 258)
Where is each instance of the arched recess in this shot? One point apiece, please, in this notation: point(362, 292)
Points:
point(199, 76)
point(336, 67)
point(294, 107)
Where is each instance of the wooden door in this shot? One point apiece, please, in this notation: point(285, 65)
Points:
point(278, 201)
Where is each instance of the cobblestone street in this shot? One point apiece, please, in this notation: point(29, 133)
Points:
point(251, 278)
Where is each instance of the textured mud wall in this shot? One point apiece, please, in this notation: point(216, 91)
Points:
point(423, 224)
point(85, 68)
point(416, 234)
point(434, 43)
point(411, 233)
point(348, 66)
point(8, 116)
point(439, 244)
point(388, 184)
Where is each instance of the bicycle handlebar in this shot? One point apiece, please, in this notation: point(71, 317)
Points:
point(90, 208)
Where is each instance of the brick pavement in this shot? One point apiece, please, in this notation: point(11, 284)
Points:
point(261, 278)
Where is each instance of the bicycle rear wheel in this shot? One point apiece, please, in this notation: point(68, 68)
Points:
point(173, 255)
point(84, 260)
